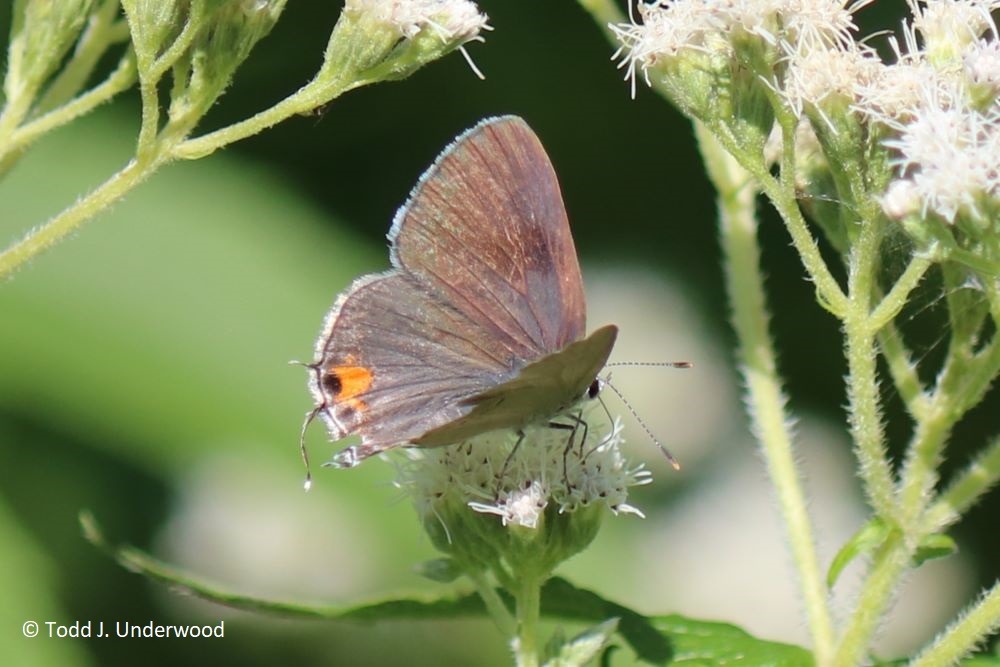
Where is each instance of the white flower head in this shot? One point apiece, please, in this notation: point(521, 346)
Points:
point(947, 27)
point(817, 24)
point(672, 28)
point(458, 20)
point(981, 62)
point(546, 470)
point(817, 75)
point(950, 154)
point(452, 23)
point(666, 31)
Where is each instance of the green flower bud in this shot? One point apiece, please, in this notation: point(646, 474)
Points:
point(42, 34)
point(154, 25)
point(381, 40)
point(230, 30)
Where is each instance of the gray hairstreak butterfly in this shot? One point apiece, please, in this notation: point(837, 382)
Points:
point(479, 325)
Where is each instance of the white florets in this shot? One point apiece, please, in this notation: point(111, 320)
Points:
point(535, 477)
point(671, 27)
point(950, 157)
point(451, 20)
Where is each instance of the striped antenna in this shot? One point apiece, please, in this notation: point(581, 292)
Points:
point(649, 433)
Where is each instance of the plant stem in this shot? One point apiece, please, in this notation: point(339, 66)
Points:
point(920, 472)
point(962, 636)
point(117, 81)
point(50, 233)
point(888, 564)
point(604, 12)
point(902, 370)
point(311, 96)
point(893, 302)
point(529, 602)
point(965, 489)
point(862, 383)
point(494, 605)
point(783, 197)
point(102, 32)
point(738, 231)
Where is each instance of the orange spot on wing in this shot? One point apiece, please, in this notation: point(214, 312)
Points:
point(346, 382)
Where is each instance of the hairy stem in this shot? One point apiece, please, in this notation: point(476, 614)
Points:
point(888, 564)
point(967, 488)
point(65, 223)
point(494, 605)
point(864, 408)
point(766, 402)
point(962, 637)
point(528, 610)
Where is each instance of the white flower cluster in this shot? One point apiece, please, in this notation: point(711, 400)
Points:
point(940, 101)
point(936, 104)
point(542, 472)
point(671, 27)
point(452, 20)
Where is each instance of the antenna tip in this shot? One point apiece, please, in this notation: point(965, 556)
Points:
point(308, 483)
point(675, 465)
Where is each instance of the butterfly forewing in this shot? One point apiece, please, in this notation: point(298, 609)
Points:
point(486, 227)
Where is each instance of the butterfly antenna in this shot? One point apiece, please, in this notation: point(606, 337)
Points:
point(649, 433)
point(661, 364)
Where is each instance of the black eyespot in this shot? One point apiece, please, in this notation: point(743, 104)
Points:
point(595, 389)
point(332, 383)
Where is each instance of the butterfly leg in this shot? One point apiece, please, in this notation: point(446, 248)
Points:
point(506, 464)
point(578, 421)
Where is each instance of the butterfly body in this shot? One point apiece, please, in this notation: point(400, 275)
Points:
point(479, 326)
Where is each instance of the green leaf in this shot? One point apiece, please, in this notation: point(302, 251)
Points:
point(868, 537)
point(442, 570)
point(672, 639)
point(697, 642)
point(661, 640)
point(585, 646)
point(934, 546)
point(561, 599)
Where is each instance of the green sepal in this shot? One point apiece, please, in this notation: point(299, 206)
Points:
point(869, 537)
point(934, 546)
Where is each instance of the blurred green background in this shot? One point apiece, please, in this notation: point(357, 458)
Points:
point(144, 376)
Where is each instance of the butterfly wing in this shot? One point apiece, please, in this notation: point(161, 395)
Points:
point(485, 282)
point(486, 227)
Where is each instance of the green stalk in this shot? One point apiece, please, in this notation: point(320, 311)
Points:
point(902, 370)
point(766, 402)
point(494, 605)
point(888, 564)
point(311, 96)
point(103, 31)
point(962, 637)
point(528, 610)
point(862, 383)
point(65, 223)
point(967, 488)
point(120, 79)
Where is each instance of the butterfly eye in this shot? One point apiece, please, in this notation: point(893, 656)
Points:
point(594, 389)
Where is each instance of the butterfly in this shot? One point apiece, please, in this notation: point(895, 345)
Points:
point(480, 323)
